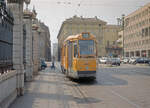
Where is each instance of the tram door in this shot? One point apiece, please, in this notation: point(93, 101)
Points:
point(70, 56)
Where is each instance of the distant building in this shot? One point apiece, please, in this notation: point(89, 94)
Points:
point(137, 33)
point(44, 42)
point(109, 42)
point(120, 43)
point(55, 51)
point(35, 49)
point(104, 33)
point(41, 42)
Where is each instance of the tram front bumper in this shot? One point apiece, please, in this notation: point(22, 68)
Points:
point(84, 74)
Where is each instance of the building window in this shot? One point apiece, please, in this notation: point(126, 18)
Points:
point(143, 32)
point(107, 43)
point(146, 31)
point(143, 53)
point(149, 31)
point(131, 54)
point(137, 53)
point(127, 54)
point(149, 53)
point(65, 51)
point(146, 12)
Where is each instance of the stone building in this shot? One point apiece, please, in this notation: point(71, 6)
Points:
point(16, 6)
point(12, 83)
point(35, 39)
point(108, 43)
point(104, 33)
point(20, 45)
point(44, 42)
point(27, 44)
point(137, 33)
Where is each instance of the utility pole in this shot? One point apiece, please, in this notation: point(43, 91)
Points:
point(121, 23)
point(123, 16)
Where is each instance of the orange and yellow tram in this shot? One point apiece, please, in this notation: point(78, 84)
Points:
point(79, 56)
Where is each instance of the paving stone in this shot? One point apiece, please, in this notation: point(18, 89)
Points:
point(48, 90)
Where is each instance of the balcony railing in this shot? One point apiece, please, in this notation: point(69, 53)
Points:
point(113, 47)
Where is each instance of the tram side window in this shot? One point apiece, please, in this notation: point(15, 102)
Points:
point(65, 51)
point(75, 51)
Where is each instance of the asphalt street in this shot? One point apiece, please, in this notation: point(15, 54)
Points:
point(125, 86)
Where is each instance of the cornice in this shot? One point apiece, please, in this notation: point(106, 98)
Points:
point(27, 14)
point(19, 1)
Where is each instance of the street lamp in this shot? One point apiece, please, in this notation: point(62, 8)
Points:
point(27, 3)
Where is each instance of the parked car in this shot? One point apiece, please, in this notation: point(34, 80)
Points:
point(43, 64)
point(132, 60)
point(103, 60)
point(143, 60)
point(114, 61)
point(125, 60)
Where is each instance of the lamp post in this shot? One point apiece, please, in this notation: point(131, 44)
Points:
point(123, 16)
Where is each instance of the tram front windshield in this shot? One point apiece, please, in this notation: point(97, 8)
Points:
point(86, 47)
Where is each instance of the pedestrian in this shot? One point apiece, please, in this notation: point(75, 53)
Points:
point(53, 65)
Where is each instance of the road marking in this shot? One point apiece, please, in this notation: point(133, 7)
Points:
point(126, 99)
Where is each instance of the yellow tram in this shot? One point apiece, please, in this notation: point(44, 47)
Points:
point(79, 56)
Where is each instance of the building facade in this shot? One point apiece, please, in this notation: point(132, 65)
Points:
point(41, 43)
point(137, 33)
point(16, 7)
point(109, 41)
point(44, 42)
point(97, 27)
point(19, 48)
point(35, 50)
point(27, 44)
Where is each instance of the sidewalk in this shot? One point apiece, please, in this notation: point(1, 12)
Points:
point(50, 89)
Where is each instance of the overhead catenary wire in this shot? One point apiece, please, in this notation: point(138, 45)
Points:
point(92, 3)
point(97, 4)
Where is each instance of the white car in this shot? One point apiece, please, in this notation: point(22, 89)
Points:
point(132, 60)
point(125, 60)
point(103, 60)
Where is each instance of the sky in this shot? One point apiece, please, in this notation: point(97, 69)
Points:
point(54, 12)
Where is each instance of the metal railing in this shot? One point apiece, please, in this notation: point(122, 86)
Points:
point(6, 38)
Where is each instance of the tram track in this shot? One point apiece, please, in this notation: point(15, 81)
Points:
point(80, 96)
point(83, 95)
point(76, 87)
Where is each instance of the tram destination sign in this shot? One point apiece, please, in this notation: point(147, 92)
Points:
point(85, 35)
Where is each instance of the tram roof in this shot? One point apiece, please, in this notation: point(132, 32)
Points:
point(74, 37)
